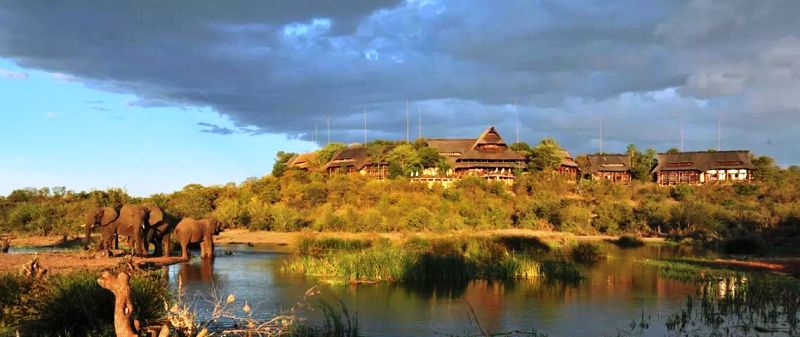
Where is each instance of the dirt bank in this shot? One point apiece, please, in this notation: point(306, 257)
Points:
point(234, 236)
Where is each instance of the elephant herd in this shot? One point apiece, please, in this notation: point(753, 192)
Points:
point(144, 225)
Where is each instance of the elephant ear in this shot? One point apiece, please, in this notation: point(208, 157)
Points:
point(156, 215)
point(109, 215)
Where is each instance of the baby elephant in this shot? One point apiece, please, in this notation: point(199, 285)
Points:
point(191, 230)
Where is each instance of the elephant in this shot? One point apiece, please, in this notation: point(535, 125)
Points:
point(157, 231)
point(130, 222)
point(191, 230)
point(99, 217)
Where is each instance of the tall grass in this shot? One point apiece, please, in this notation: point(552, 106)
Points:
point(432, 261)
point(311, 245)
point(628, 241)
point(75, 305)
point(587, 252)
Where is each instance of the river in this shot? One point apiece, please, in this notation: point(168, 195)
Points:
point(615, 292)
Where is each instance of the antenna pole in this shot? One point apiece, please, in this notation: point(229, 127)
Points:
point(719, 134)
point(516, 118)
point(601, 134)
point(328, 120)
point(419, 112)
point(365, 126)
point(408, 124)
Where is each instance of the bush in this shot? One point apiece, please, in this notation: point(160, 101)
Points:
point(586, 252)
point(574, 219)
point(681, 192)
point(744, 245)
point(75, 305)
point(628, 241)
point(11, 289)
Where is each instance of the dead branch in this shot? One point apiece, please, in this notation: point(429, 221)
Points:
point(123, 307)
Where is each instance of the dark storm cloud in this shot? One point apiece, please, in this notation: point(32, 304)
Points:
point(648, 68)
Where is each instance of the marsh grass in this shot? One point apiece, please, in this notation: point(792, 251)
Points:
point(628, 241)
point(587, 252)
point(75, 305)
point(311, 245)
point(733, 303)
point(449, 260)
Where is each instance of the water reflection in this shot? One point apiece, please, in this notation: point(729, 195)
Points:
point(615, 292)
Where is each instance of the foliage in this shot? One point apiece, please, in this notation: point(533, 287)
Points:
point(452, 261)
point(587, 252)
point(545, 156)
point(281, 163)
point(325, 154)
point(75, 305)
point(743, 245)
point(628, 241)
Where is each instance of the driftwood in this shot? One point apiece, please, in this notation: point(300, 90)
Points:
point(34, 269)
point(123, 307)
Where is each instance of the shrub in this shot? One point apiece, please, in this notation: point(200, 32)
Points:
point(75, 305)
point(745, 245)
point(586, 252)
point(574, 219)
point(628, 241)
point(681, 192)
point(613, 216)
point(11, 289)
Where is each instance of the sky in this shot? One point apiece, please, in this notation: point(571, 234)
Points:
point(153, 95)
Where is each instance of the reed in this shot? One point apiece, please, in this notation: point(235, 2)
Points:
point(587, 252)
point(420, 260)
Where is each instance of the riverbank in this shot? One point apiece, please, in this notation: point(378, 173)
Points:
point(556, 239)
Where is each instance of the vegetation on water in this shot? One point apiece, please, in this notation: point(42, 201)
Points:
point(587, 252)
point(733, 303)
point(417, 260)
point(628, 241)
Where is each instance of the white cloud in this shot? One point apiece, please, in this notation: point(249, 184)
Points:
point(13, 75)
point(51, 115)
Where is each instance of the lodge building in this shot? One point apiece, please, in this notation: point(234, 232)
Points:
point(303, 161)
point(487, 156)
point(611, 167)
point(356, 159)
point(568, 168)
point(703, 167)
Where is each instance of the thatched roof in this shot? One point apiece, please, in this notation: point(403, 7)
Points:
point(354, 155)
point(704, 161)
point(459, 150)
point(609, 163)
point(566, 159)
point(303, 160)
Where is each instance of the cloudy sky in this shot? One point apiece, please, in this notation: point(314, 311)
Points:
point(152, 95)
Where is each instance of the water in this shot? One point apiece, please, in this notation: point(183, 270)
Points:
point(616, 292)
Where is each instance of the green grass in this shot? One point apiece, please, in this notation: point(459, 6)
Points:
point(434, 261)
point(314, 246)
point(76, 305)
point(587, 252)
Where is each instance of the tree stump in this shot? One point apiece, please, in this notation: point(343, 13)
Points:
point(123, 307)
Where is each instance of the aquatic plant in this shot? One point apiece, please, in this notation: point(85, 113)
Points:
point(312, 245)
point(587, 252)
point(452, 260)
point(628, 241)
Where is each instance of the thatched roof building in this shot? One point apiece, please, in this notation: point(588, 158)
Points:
point(355, 159)
point(486, 155)
point(303, 161)
point(614, 167)
point(704, 166)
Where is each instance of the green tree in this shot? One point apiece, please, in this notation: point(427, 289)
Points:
point(406, 158)
point(766, 169)
point(545, 156)
point(281, 163)
point(325, 154)
point(642, 163)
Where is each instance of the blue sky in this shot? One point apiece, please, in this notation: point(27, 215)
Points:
point(56, 131)
point(207, 93)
